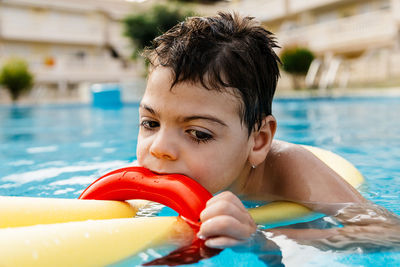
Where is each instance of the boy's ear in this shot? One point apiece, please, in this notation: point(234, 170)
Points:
point(262, 140)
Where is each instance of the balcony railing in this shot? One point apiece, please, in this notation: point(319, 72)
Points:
point(301, 5)
point(262, 10)
point(351, 33)
point(26, 24)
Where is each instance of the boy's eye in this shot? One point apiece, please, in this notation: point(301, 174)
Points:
point(148, 124)
point(200, 136)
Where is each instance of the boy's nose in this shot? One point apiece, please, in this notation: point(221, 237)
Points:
point(163, 147)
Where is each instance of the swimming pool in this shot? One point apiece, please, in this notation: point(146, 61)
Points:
point(56, 151)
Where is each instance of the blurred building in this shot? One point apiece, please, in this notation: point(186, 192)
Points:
point(72, 43)
point(68, 43)
point(356, 41)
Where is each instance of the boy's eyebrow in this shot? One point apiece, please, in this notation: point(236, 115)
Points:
point(204, 117)
point(149, 109)
point(187, 119)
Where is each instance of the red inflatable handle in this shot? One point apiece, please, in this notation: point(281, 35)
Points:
point(179, 192)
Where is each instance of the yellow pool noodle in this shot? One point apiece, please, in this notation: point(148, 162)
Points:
point(88, 243)
point(24, 211)
point(340, 165)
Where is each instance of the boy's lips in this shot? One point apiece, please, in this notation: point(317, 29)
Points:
point(166, 173)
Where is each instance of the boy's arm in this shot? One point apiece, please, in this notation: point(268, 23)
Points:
point(304, 178)
point(366, 227)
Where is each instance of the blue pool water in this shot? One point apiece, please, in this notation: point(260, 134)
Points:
point(56, 151)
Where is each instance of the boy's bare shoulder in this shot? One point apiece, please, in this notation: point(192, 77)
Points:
point(298, 175)
point(286, 162)
point(283, 154)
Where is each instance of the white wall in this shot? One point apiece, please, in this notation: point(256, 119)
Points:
point(40, 24)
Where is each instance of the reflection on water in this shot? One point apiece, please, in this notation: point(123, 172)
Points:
point(149, 210)
point(45, 144)
point(16, 124)
point(17, 113)
point(368, 229)
point(52, 178)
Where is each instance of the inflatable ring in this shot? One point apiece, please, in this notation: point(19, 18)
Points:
point(176, 191)
point(60, 232)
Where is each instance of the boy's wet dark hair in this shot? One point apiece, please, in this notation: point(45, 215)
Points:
point(221, 52)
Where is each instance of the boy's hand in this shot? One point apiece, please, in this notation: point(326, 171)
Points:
point(225, 222)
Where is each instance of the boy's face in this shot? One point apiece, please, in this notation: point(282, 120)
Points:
point(192, 131)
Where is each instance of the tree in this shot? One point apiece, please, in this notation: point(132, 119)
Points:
point(16, 77)
point(296, 61)
point(143, 28)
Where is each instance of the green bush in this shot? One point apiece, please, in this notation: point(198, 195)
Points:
point(296, 60)
point(16, 77)
point(143, 28)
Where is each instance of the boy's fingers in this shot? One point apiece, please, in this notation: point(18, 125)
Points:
point(221, 242)
point(226, 226)
point(224, 207)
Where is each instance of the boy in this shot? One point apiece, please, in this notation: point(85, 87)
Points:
point(206, 113)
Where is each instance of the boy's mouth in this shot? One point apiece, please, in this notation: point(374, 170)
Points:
point(162, 171)
point(166, 173)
